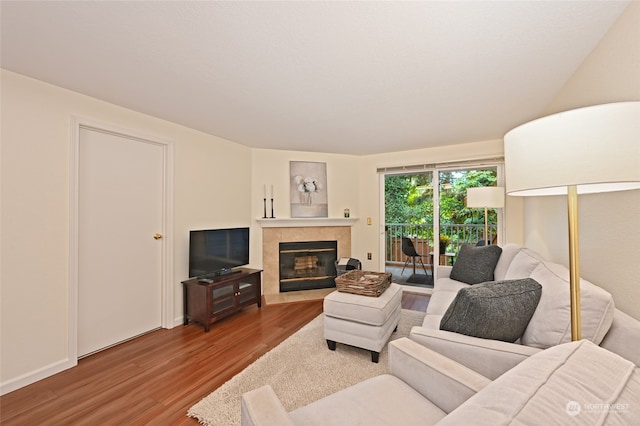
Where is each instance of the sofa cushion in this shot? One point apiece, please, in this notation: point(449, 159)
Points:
point(475, 264)
point(523, 263)
point(509, 251)
point(381, 400)
point(444, 291)
point(551, 322)
point(574, 383)
point(493, 310)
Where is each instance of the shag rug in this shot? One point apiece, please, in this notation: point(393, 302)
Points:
point(300, 370)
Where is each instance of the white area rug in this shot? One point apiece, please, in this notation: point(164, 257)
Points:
point(300, 370)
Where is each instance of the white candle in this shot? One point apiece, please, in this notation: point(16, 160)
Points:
point(264, 190)
point(271, 190)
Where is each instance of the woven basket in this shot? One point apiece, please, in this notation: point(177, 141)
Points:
point(363, 282)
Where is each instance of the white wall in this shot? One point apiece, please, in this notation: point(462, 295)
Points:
point(353, 183)
point(609, 231)
point(271, 167)
point(212, 178)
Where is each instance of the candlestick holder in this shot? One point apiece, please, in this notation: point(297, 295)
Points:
point(272, 216)
point(264, 201)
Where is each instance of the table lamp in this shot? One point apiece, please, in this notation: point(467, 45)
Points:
point(485, 197)
point(581, 151)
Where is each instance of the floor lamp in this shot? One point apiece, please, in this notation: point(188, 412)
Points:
point(487, 197)
point(581, 151)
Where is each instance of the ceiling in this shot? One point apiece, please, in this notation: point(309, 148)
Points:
point(337, 77)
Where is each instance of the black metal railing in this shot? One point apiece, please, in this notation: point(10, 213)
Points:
point(422, 237)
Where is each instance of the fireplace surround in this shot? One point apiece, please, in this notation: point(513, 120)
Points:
point(297, 230)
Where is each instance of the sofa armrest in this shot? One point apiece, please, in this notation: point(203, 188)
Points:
point(444, 271)
point(441, 380)
point(490, 358)
point(623, 337)
point(262, 407)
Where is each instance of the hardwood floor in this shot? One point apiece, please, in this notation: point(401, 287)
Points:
point(414, 301)
point(154, 379)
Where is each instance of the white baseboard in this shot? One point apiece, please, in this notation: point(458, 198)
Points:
point(50, 370)
point(34, 376)
point(178, 321)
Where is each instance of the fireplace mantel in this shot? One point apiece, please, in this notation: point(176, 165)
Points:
point(306, 222)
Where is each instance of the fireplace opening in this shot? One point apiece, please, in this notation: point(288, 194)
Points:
point(308, 265)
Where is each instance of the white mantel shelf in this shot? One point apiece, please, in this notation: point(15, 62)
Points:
point(303, 222)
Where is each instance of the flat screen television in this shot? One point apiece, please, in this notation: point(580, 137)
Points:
point(214, 252)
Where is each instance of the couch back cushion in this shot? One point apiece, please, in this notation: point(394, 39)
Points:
point(509, 251)
point(524, 262)
point(551, 322)
point(574, 383)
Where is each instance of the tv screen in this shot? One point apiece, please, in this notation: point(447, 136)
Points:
point(215, 251)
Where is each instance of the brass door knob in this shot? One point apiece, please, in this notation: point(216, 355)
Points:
point(157, 236)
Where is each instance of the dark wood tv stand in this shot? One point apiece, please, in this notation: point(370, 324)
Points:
point(206, 303)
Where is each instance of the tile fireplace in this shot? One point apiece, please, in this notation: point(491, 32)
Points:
point(279, 231)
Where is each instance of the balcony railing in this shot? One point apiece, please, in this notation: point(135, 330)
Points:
point(422, 236)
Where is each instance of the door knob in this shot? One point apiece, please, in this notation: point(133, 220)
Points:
point(157, 236)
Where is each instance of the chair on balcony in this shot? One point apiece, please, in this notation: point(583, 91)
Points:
point(481, 243)
point(409, 250)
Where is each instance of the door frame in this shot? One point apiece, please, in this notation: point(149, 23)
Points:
point(167, 290)
point(436, 168)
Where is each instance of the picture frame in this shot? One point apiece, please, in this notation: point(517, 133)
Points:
point(308, 189)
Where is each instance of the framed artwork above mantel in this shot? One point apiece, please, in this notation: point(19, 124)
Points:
point(308, 189)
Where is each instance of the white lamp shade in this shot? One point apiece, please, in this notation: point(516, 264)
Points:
point(486, 196)
point(596, 148)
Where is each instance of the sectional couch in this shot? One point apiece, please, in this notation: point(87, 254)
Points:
point(571, 383)
point(548, 326)
point(494, 348)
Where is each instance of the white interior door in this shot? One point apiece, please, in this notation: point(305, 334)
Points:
point(120, 263)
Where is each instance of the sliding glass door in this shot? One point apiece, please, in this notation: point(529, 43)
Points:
point(428, 208)
point(409, 213)
point(458, 223)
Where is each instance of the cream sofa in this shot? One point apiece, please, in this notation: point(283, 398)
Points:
point(572, 383)
point(549, 326)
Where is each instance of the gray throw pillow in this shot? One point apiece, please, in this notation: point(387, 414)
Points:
point(497, 310)
point(475, 264)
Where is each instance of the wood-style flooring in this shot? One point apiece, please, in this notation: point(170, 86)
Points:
point(154, 379)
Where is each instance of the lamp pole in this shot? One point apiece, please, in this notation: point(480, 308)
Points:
point(574, 262)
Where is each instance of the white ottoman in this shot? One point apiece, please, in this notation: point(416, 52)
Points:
point(362, 321)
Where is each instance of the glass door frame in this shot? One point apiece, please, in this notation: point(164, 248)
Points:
point(501, 225)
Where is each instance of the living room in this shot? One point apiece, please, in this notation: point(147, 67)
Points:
point(210, 171)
